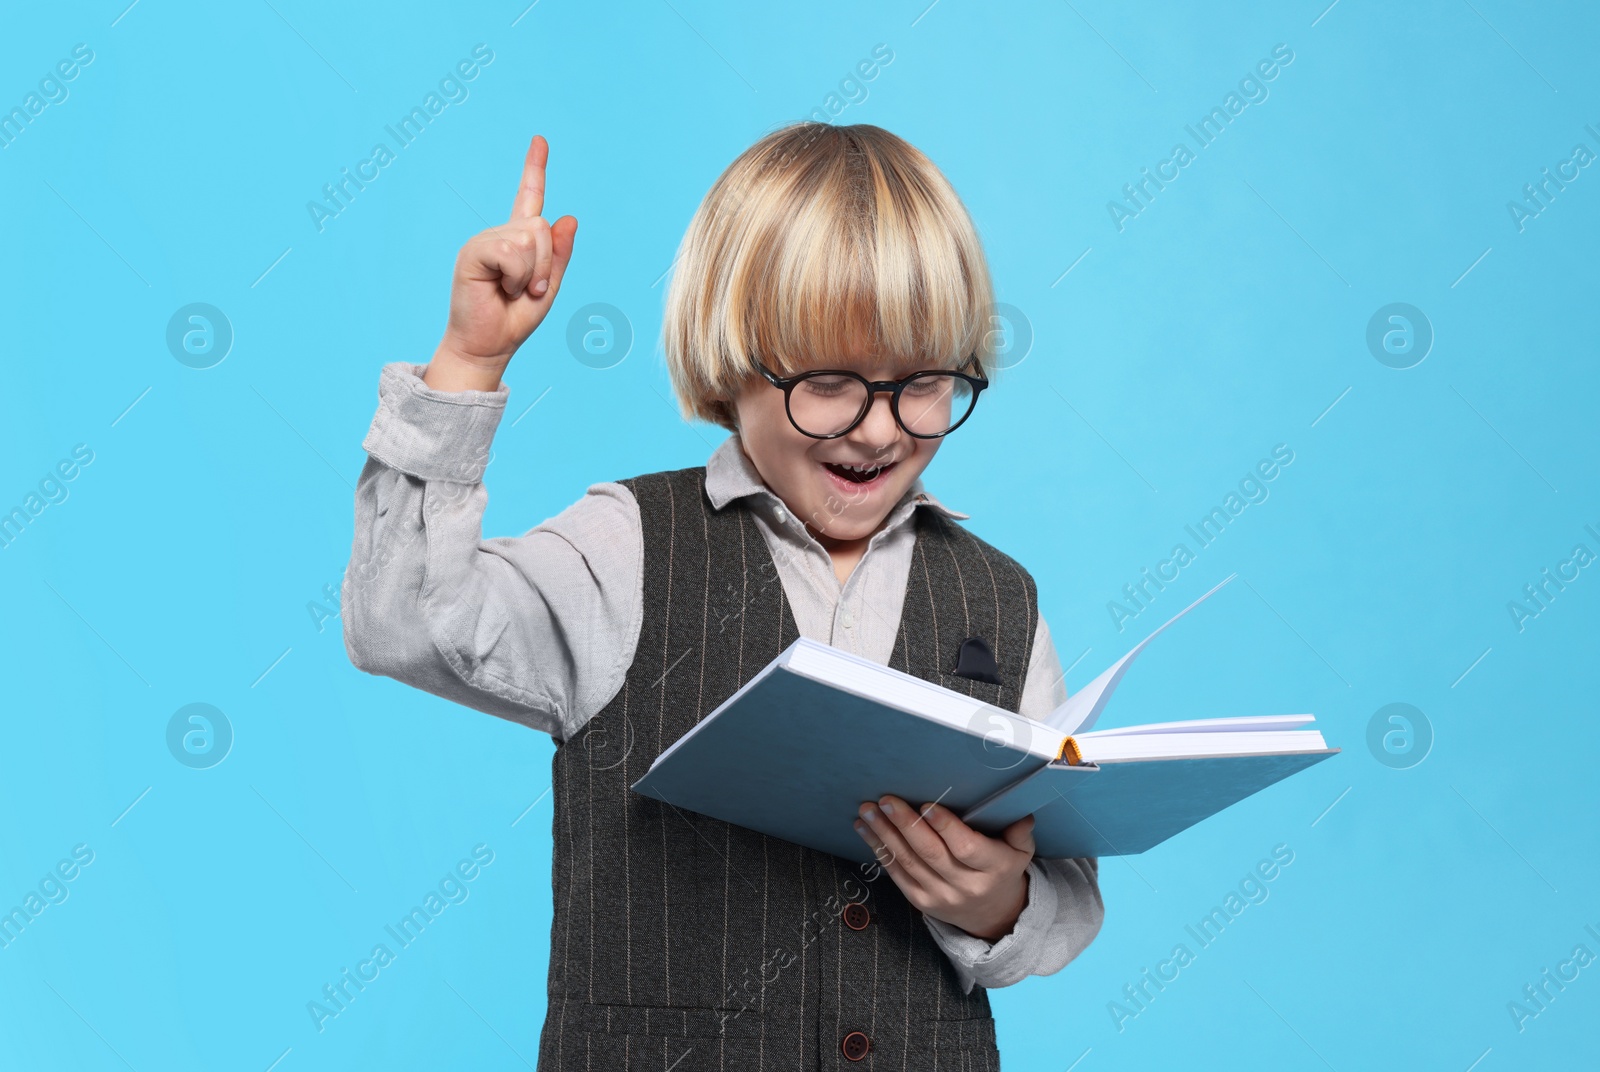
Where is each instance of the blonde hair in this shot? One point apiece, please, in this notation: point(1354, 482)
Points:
point(815, 236)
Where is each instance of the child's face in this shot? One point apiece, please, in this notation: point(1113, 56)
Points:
point(804, 472)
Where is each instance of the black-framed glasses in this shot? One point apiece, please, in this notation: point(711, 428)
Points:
point(829, 403)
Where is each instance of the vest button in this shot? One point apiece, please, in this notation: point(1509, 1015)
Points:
point(855, 1046)
point(856, 916)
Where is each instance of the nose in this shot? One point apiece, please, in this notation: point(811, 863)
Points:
point(878, 429)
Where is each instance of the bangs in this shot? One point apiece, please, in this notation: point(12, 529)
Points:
point(820, 242)
point(855, 254)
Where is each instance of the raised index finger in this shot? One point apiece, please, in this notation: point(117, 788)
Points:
point(530, 195)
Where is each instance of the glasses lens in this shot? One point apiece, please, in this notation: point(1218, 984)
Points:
point(932, 403)
point(827, 404)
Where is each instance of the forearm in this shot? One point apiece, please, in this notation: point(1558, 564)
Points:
point(416, 603)
point(414, 606)
point(529, 628)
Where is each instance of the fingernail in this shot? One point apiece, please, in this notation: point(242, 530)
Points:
point(871, 814)
point(888, 808)
point(540, 287)
point(860, 826)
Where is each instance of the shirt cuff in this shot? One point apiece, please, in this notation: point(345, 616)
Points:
point(1012, 958)
point(431, 434)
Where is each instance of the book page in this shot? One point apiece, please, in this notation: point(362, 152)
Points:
point(1083, 707)
point(1209, 725)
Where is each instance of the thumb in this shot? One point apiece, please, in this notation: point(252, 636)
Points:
point(1019, 835)
point(562, 236)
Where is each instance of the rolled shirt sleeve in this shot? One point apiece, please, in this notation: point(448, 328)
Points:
point(1062, 916)
point(1064, 909)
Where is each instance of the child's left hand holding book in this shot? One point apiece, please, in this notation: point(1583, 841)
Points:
point(948, 870)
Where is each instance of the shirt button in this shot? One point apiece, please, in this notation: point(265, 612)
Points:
point(855, 1046)
point(856, 916)
point(781, 514)
point(847, 619)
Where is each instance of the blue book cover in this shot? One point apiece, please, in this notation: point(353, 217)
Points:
point(1123, 807)
point(816, 732)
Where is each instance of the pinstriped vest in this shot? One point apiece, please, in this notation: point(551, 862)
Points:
point(684, 943)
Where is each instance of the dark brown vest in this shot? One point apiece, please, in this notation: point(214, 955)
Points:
point(683, 943)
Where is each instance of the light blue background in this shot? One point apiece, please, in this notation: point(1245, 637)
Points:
point(1227, 318)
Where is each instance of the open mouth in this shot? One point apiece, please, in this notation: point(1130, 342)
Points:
point(864, 473)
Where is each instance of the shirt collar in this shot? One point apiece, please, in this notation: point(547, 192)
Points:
point(731, 475)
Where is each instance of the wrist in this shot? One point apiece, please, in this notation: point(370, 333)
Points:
point(1008, 918)
point(450, 371)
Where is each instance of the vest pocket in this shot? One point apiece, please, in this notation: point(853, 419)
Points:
point(669, 1021)
point(972, 1038)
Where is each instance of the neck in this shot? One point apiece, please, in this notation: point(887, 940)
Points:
point(844, 553)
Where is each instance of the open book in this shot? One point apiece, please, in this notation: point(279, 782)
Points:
point(816, 732)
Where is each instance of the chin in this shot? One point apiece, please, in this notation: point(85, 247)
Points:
point(853, 526)
point(852, 531)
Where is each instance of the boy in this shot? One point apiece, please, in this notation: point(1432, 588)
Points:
point(830, 307)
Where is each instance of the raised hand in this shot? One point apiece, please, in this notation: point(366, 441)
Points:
point(506, 279)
